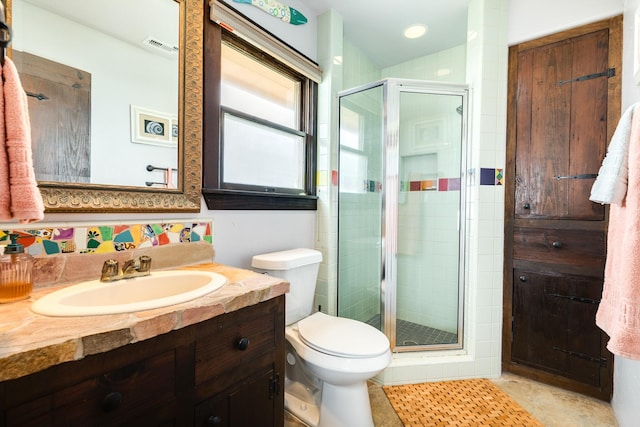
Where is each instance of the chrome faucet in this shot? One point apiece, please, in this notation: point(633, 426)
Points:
point(135, 267)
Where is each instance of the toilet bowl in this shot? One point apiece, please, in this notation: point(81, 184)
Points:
point(329, 359)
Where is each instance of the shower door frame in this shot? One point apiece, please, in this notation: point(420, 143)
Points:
point(392, 88)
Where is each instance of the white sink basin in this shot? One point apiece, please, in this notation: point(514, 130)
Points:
point(160, 289)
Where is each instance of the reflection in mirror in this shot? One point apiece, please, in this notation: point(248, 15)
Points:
point(115, 88)
point(102, 86)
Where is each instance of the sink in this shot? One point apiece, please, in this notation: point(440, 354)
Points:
point(160, 289)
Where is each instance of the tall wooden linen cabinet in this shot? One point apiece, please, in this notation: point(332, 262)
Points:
point(563, 106)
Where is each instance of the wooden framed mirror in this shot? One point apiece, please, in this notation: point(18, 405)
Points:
point(102, 196)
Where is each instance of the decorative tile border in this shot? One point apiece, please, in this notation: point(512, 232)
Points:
point(491, 176)
point(106, 238)
point(488, 176)
point(440, 184)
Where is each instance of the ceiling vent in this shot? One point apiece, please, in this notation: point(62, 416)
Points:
point(160, 46)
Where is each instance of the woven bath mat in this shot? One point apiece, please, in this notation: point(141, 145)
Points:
point(476, 402)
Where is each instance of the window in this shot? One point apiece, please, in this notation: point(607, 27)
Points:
point(259, 125)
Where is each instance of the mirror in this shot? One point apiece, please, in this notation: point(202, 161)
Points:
point(141, 109)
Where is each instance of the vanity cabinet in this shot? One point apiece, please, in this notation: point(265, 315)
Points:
point(226, 371)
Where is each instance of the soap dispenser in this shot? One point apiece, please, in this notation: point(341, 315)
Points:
point(16, 280)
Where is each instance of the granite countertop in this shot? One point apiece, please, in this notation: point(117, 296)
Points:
point(30, 342)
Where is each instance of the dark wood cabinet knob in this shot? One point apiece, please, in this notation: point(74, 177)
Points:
point(214, 420)
point(523, 278)
point(243, 343)
point(111, 402)
point(526, 206)
point(557, 244)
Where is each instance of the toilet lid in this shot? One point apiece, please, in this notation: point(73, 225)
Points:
point(342, 337)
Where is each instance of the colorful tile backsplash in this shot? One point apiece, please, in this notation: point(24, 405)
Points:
point(108, 238)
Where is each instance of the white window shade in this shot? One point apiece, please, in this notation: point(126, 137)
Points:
point(258, 155)
point(230, 19)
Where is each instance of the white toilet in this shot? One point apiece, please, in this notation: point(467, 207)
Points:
point(329, 359)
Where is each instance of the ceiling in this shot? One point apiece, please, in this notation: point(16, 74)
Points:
point(376, 26)
point(123, 19)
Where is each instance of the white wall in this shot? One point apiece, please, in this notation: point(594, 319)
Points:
point(529, 20)
point(301, 37)
point(533, 19)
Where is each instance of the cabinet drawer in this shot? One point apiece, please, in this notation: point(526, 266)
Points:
point(111, 398)
point(576, 247)
point(234, 340)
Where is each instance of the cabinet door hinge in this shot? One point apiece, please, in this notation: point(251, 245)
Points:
point(602, 361)
point(608, 74)
point(274, 386)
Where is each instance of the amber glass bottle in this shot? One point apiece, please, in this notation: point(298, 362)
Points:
point(16, 280)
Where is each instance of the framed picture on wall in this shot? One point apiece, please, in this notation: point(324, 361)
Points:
point(153, 127)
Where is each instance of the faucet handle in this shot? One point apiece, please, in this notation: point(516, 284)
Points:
point(145, 264)
point(110, 270)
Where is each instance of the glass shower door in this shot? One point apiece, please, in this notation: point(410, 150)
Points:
point(401, 211)
point(428, 291)
point(360, 205)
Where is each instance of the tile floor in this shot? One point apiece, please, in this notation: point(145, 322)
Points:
point(553, 407)
point(409, 333)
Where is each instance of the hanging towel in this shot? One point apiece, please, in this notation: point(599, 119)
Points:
point(619, 310)
point(5, 193)
point(611, 184)
point(25, 202)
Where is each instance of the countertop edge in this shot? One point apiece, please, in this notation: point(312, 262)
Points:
point(30, 342)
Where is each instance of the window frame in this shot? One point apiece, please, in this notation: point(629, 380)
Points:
point(214, 193)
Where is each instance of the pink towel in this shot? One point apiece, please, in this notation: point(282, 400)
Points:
point(5, 193)
point(619, 311)
point(19, 194)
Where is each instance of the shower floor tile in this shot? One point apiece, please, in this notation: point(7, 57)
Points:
point(409, 333)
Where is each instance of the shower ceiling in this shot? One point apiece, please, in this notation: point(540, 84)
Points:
point(376, 27)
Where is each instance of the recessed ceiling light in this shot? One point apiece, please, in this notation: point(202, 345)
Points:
point(415, 31)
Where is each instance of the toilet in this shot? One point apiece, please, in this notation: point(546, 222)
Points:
point(328, 359)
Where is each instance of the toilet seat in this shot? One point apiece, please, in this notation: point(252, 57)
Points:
point(342, 337)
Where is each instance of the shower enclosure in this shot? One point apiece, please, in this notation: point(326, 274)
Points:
point(401, 210)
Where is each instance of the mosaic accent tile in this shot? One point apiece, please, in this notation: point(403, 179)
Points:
point(371, 186)
point(499, 176)
point(441, 184)
point(108, 238)
point(321, 178)
point(487, 176)
point(428, 184)
point(454, 184)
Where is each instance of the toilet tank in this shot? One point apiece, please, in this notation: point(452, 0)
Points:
point(300, 268)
